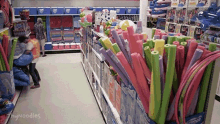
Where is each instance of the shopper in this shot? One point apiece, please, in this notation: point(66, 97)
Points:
point(40, 34)
point(32, 67)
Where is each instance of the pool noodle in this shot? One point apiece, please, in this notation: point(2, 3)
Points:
point(147, 54)
point(151, 43)
point(5, 44)
point(161, 75)
point(132, 41)
point(124, 79)
point(146, 70)
point(4, 58)
point(197, 55)
point(168, 83)
point(126, 47)
point(136, 37)
point(108, 44)
point(140, 47)
point(191, 50)
point(116, 48)
point(141, 36)
point(120, 44)
point(181, 62)
point(153, 32)
point(205, 82)
point(102, 43)
point(131, 74)
point(177, 43)
point(118, 63)
point(156, 85)
point(141, 79)
point(156, 37)
point(159, 46)
point(2, 63)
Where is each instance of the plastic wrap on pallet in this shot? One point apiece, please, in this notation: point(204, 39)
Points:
point(56, 39)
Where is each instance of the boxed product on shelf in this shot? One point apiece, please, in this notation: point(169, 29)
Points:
point(117, 97)
point(57, 10)
point(67, 21)
point(32, 10)
point(120, 10)
point(70, 10)
point(67, 45)
point(43, 10)
point(55, 46)
point(131, 10)
point(55, 22)
point(111, 90)
point(48, 46)
point(123, 110)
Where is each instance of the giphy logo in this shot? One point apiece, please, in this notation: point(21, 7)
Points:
point(41, 10)
point(32, 115)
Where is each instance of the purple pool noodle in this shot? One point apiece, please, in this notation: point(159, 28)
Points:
point(122, 76)
point(126, 48)
point(194, 103)
point(120, 44)
point(118, 63)
point(170, 112)
point(197, 55)
point(161, 74)
point(156, 37)
point(165, 37)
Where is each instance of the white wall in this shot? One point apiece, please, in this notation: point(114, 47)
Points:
point(77, 3)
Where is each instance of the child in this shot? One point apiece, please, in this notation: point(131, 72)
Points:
point(32, 67)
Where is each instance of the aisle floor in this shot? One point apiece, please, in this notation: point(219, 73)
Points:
point(64, 97)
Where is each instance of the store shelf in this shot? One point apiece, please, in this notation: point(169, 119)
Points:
point(52, 15)
point(114, 111)
point(17, 94)
point(4, 29)
point(99, 34)
point(127, 14)
point(95, 75)
point(63, 50)
point(98, 55)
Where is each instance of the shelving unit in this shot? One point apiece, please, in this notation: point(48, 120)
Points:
point(17, 94)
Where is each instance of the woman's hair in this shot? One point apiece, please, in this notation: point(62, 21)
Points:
point(39, 20)
point(22, 39)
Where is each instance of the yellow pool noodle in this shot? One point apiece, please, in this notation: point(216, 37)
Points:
point(159, 46)
point(108, 44)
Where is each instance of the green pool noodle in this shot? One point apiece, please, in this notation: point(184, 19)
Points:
point(205, 82)
point(147, 53)
point(1, 69)
point(168, 83)
point(198, 41)
point(183, 44)
point(153, 32)
point(187, 38)
point(100, 40)
point(150, 43)
point(11, 58)
point(166, 47)
point(145, 44)
point(2, 63)
point(155, 100)
point(180, 39)
point(171, 39)
point(116, 48)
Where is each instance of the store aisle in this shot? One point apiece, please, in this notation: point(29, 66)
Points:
point(65, 96)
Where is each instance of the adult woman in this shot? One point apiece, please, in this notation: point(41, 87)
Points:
point(40, 34)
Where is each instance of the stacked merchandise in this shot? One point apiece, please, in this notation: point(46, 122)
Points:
point(31, 24)
point(21, 28)
point(68, 38)
point(1, 20)
point(158, 8)
point(211, 35)
point(7, 91)
point(179, 95)
point(56, 37)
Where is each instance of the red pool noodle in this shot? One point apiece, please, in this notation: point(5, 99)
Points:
point(5, 44)
point(146, 70)
point(136, 37)
point(181, 62)
point(191, 50)
point(177, 43)
point(141, 37)
point(5, 58)
point(132, 41)
point(140, 47)
point(125, 34)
